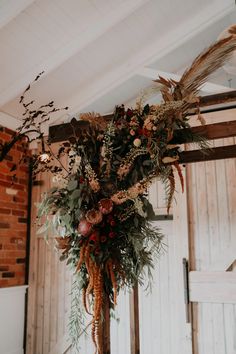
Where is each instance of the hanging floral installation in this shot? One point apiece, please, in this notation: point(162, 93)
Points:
point(99, 208)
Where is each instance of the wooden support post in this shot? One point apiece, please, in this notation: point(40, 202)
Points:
point(134, 322)
point(106, 347)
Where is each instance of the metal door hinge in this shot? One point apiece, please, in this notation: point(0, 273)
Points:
point(186, 289)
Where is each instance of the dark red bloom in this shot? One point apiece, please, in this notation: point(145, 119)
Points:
point(94, 237)
point(103, 238)
point(144, 132)
point(105, 205)
point(112, 223)
point(112, 234)
point(97, 251)
point(109, 218)
point(81, 180)
point(129, 113)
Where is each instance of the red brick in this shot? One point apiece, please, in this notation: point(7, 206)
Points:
point(7, 261)
point(24, 169)
point(17, 240)
point(4, 225)
point(15, 254)
point(17, 212)
point(13, 213)
point(9, 131)
point(5, 137)
point(5, 211)
point(23, 181)
point(5, 184)
point(10, 246)
point(4, 268)
point(8, 274)
point(3, 283)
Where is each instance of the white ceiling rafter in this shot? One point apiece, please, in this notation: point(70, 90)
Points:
point(152, 52)
point(208, 87)
point(74, 46)
point(9, 9)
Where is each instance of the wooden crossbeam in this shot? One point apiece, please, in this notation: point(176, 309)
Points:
point(217, 153)
point(218, 98)
point(63, 132)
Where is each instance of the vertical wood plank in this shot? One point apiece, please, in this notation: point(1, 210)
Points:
point(134, 321)
point(120, 325)
point(61, 299)
point(32, 291)
point(47, 293)
point(53, 301)
point(106, 345)
point(40, 298)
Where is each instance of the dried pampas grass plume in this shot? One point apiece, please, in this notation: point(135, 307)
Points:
point(205, 64)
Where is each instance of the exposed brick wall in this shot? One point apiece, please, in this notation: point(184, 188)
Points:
point(13, 215)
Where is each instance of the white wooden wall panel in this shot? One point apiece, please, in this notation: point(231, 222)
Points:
point(120, 325)
point(157, 198)
point(212, 225)
point(163, 327)
point(155, 306)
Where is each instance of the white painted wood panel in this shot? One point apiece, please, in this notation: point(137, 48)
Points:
point(163, 327)
point(213, 287)
point(12, 317)
point(212, 226)
point(120, 325)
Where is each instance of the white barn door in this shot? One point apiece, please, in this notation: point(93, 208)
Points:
point(212, 279)
point(164, 328)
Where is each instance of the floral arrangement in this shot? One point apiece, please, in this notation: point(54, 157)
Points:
point(99, 208)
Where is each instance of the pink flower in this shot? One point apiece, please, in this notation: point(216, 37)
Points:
point(132, 132)
point(84, 227)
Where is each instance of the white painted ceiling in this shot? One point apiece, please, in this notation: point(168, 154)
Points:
point(99, 53)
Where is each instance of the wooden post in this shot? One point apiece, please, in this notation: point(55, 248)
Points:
point(106, 345)
point(134, 322)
